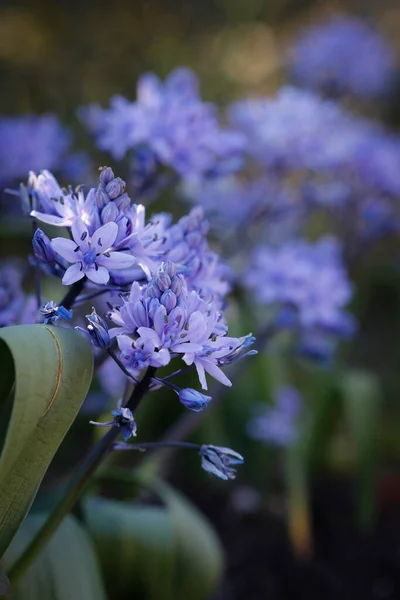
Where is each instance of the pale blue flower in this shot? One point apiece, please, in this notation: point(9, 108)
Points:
point(91, 256)
point(219, 461)
point(163, 319)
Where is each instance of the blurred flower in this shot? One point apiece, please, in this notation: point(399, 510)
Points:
point(277, 424)
point(31, 142)
point(170, 118)
point(219, 461)
point(12, 297)
point(306, 279)
point(343, 55)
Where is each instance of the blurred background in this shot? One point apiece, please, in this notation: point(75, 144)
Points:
point(322, 518)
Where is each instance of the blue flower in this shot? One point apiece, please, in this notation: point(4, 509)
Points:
point(307, 279)
point(170, 119)
point(123, 418)
point(163, 320)
point(42, 248)
point(326, 57)
point(193, 399)
point(92, 256)
point(31, 142)
point(51, 312)
point(219, 461)
point(278, 424)
point(96, 331)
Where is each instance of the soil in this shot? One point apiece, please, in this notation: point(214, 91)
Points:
point(346, 564)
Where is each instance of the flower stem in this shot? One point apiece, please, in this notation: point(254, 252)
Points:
point(72, 294)
point(151, 445)
point(77, 483)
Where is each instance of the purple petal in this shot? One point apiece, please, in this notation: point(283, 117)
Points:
point(99, 275)
point(72, 274)
point(116, 260)
point(80, 234)
point(215, 372)
point(66, 248)
point(104, 237)
point(52, 219)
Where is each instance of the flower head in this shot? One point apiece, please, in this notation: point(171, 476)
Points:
point(278, 424)
point(306, 279)
point(163, 320)
point(219, 461)
point(91, 256)
point(326, 57)
point(171, 120)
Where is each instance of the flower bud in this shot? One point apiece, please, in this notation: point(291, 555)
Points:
point(176, 285)
point(109, 213)
point(218, 461)
point(162, 280)
point(168, 299)
point(106, 175)
point(193, 399)
point(169, 268)
point(115, 188)
point(97, 330)
point(42, 248)
point(151, 291)
point(101, 197)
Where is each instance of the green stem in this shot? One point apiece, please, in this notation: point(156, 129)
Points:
point(77, 484)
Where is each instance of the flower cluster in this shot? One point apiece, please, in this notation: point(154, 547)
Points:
point(343, 55)
point(163, 319)
point(172, 121)
point(277, 424)
point(338, 162)
point(306, 284)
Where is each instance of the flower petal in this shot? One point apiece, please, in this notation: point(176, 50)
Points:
point(52, 219)
point(116, 260)
point(66, 248)
point(99, 275)
point(80, 233)
point(215, 372)
point(104, 237)
point(201, 374)
point(72, 274)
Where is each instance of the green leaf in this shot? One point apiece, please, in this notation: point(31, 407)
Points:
point(170, 550)
point(53, 370)
point(66, 569)
point(5, 586)
point(135, 545)
point(199, 555)
point(361, 393)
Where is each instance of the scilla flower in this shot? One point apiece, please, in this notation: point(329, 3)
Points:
point(91, 256)
point(219, 461)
